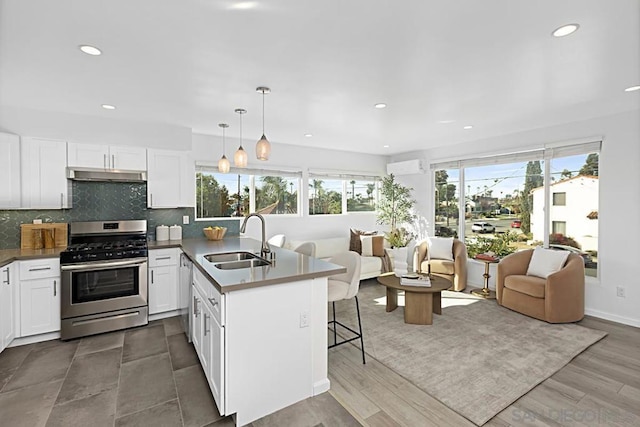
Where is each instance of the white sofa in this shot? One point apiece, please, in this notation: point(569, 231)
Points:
point(371, 266)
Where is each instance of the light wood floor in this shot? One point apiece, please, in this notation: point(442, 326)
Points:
point(601, 386)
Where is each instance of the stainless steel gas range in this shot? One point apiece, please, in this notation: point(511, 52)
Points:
point(104, 277)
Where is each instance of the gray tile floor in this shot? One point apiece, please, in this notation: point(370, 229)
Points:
point(147, 376)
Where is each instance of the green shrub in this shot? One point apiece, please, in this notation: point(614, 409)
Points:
point(500, 245)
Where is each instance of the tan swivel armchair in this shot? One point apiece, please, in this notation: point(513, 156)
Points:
point(455, 271)
point(557, 299)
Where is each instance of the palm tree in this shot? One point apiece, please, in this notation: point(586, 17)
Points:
point(273, 190)
point(370, 188)
point(353, 189)
point(317, 188)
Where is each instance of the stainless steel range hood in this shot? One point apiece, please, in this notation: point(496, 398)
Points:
point(105, 175)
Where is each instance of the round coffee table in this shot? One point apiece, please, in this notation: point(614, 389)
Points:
point(420, 302)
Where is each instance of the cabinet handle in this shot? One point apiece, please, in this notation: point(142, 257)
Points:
point(40, 269)
point(205, 324)
point(61, 200)
point(163, 257)
point(55, 283)
point(213, 301)
point(196, 312)
point(8, 281)
point(113, 161)
point(152, 277)
point(104, 161)
point(151, 195)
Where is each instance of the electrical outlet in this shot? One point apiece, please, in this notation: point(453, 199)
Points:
point(304, 319)
point(620, 291)
point(185, 219)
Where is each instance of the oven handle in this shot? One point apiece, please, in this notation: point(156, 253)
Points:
point(102, 266)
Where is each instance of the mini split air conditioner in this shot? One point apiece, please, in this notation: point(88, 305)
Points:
point(408, 167)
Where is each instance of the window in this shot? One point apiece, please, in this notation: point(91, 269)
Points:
point(337, 193)
point(446, 198)
point(547, 196)
point(239, 192)
point(559, 227)
point(574, 220)
point(325, 196)
point(559, 199)
point(276, 195)
point(362, 195)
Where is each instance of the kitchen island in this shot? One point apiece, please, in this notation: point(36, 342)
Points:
point(260, 332)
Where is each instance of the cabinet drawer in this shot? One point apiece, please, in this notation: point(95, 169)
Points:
point(161, 257)
point(213, 298)
point(39, 268)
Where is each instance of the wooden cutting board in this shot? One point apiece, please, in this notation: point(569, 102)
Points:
point(29, 235)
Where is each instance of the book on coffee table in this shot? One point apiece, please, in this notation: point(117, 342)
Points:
point(415, 280)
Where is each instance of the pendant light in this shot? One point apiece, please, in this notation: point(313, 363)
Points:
point(240, 158)
point(263, 147)
point(223, 163)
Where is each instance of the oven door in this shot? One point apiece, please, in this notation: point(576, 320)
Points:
point(99, 287)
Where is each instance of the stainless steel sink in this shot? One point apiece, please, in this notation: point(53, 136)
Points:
point(245, 263)
point(230, 256)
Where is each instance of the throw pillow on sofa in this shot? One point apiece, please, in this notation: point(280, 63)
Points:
point(372, 245)
point(355, 244)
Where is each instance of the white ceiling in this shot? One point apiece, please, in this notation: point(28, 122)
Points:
point(492, 64)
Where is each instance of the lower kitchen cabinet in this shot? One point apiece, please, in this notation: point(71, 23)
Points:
point(39, 296)
point(7, 305)
point(163, 280)
point(208, 340)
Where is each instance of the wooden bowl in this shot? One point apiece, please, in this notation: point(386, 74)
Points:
point(215, 234)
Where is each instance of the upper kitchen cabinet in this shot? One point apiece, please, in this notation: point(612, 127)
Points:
point(44, 183)
point(171, 179)
point(9, 171)
point(107, 157)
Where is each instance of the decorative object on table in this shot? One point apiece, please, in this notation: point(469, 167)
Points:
point(415, 279)
point(162, 233)
point(448, 260)
point(556, 298)
point(214, 233)
point(175, 232)
point(43, 236)
point(484, 292)
point(263, 146)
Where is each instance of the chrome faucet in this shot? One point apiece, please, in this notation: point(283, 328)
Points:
point(265, 248)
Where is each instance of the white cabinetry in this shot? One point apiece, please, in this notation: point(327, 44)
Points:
point(44, 182)
point(106, 157)
point(170, 179)
point(208, 335)
point(7, 305)
point(9, 171)
point(163, 280)
point(39, 296)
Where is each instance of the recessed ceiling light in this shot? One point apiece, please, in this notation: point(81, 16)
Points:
point(90, 50)
point(108, 107)
point(308, 135)
point(380, 105)
point(468, 127)
point(243, 5)
point(444, 122)
point(385, 146)
point(565, 30)
point(632, 88)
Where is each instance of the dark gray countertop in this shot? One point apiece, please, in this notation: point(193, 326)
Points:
point(288, 266)
point(7, 256)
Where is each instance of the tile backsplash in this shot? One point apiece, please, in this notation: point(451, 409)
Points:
point(104, 201)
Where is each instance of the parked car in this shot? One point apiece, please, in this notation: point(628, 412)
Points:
point(588, 261)
point(443, 231)
point(516, 223)
point(482, 227)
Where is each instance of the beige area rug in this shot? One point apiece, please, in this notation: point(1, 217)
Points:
point(477, 357)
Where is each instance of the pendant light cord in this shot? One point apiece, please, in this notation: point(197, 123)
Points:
point(263, 112)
